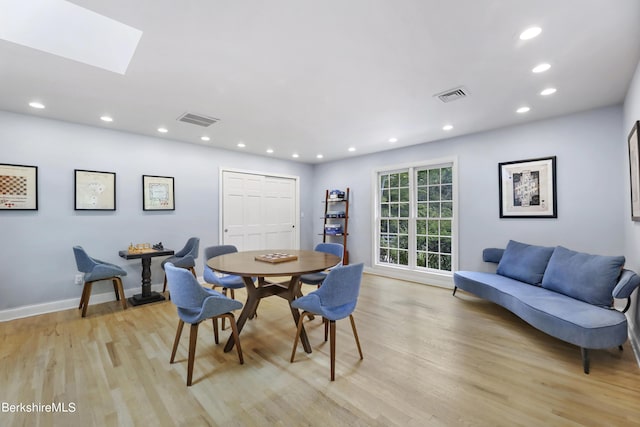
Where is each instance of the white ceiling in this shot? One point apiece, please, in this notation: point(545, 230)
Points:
point(316, 77)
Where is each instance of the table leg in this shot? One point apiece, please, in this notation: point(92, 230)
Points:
point(146, 296)
point(248, 310)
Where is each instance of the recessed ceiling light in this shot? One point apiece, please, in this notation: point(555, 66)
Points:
point(352, 149)
point(392, 140)
point(162, 130)
point(523, 110)
point(205, 138)
point(270, 150)
point(106, 119)
point(548, 91)
point(241, 145)
point(541, 68)
point(530, 33)
point(37, 105)
point(319, 156)
point(295, 155)
point(447, 127)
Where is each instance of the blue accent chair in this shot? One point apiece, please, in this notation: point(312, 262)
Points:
point(195, 304)
point(317, 278)
point(334, 300)
point(184, 258)
point(95, 270)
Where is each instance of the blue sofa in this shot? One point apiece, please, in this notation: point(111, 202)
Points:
point(566, 294)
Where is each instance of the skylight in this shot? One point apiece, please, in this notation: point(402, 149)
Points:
point(70, 31)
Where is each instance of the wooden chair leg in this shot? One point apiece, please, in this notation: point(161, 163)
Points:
point(176, 340)
point(193, 339)
point(236, 336)
point(298, 332)
point(164, 287)
point(326, 328)
point(332, 345)
point(115, 288)
point(121, 292)
point(355, 334)
point(215, 329)
point(224, 292)
point(193, 271)
point(86, 297)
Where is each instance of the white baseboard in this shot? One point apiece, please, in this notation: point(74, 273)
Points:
point(53, 306)
point(439, 280)
point(634, 341)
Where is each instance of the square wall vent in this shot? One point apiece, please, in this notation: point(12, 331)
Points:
point(197, 119)
point(452, 94)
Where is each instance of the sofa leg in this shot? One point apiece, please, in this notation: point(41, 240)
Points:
point(585, 359)
point(620, 347)
point(455, 288)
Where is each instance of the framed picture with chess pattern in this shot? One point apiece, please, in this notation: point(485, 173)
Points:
point(18, 187)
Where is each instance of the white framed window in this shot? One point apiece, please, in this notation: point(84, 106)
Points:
point(415, 219)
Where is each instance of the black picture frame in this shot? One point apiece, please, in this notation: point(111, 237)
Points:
point(634, 170)
point(94, 190)
point(18, 187)
point(158, 193)
point(528, 188)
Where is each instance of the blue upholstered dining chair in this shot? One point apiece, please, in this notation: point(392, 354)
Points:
point(195, 304)
point(184, 258)
point(317, 278)
point(334, 300)
point(225, 281)
point(95, 270)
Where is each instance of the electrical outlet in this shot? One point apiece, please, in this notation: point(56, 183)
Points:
point(78, 279)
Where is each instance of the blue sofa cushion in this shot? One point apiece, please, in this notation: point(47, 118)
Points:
point(589, 278)
point(523, 262)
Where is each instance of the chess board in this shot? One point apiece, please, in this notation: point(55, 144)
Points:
point(276, 257)
point(142, 251)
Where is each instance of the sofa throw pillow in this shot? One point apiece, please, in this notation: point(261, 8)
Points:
point(524, 262)
point(589, 278)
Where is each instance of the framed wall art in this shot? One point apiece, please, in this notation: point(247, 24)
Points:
point(634, 171)
point(18, 187)
point(94, 190)
point(528, 188)
point(158, 193)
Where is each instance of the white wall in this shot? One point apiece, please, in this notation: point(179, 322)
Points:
point(36, 259)
point(591, 176)
point(632, 228)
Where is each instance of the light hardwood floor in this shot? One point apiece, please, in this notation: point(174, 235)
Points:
point(429, 359)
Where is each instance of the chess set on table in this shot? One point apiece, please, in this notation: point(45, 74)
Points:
point(276, 257)
point(144, 248)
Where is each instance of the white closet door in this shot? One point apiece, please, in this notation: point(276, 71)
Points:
point(259, 211)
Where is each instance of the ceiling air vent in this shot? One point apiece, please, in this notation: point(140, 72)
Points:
point(452, 94)
point(197, 119)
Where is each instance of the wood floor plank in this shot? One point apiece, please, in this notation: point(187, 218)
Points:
point(429, 359)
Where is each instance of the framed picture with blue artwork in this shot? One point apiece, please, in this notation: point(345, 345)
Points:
point(528, 188)
point(634, 171)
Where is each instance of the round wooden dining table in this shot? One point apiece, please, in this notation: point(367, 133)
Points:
point(247, 265)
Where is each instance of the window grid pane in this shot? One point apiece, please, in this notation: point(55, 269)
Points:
point(434, 218)
point(395, 198)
